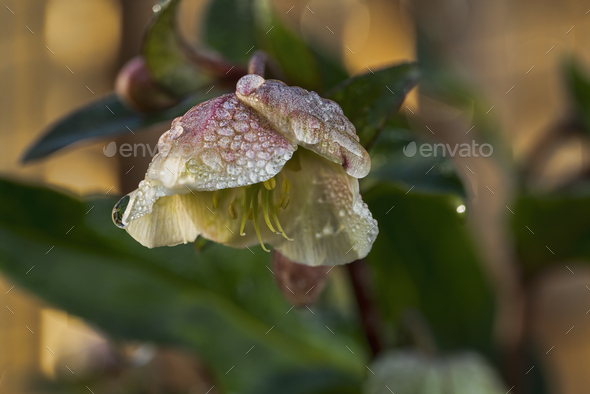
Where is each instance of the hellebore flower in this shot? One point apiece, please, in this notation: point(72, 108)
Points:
point(230, 170)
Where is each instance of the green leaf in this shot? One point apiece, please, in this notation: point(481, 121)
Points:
point(559, 230)
point(295, 58)
point(221, 303)
point(311, 381)
point(230, 29)
point(408, 372)
point(578, 86)
point(424, 259)
point(106, 117)
point(394, 158)
point(165, 53)
point(369, 100)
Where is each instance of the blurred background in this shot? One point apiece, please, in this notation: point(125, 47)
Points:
point(61, 54)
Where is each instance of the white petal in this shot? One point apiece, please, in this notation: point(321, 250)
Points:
point(327, 219)
point(168, 224)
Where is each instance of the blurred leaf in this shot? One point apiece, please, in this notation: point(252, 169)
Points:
point(222, 304)
point(394, 159)
point(311, 381)
point(424, 258)
point(578, 86)
point(407, 372)
point(369, 100)
point(165, 53)
point(230, 29)
point(106, 117)
point(331, 72)
point(295, 58)
point(559, 230)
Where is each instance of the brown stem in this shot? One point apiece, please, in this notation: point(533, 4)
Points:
point(361, 283)
point(257, 63)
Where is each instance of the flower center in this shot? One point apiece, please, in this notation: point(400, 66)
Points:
point(261, 196)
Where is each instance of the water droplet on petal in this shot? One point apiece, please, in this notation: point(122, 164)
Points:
point(119, 211)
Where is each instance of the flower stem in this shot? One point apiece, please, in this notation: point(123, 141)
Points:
point(259, 62)
point(361, 283)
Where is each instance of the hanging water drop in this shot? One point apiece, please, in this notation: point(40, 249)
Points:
point(119, 211)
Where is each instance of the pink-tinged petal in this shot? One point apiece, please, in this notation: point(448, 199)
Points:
point(219, 144)
point(308, 120)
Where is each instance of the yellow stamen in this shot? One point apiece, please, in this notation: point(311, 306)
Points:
point(275, 218)
point(286, 186)
point(285, 200)
point(255, 211)
point(270, 184)
point(232, 211)
point(246, 206)
point(215, 199)
point(265, 199)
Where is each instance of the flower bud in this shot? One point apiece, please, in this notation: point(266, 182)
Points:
point(300, 284)
point(137, 89)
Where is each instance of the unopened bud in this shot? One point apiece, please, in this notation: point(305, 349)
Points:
point(137, 89)
point(299, 283)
